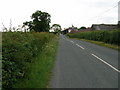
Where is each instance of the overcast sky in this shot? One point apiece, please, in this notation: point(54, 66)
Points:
point(64, 12)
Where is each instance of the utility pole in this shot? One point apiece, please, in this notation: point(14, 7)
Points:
point(119, 11)
point(119, 14)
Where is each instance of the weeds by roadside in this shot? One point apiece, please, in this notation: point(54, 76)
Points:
point(19, 51)
point(40, 69)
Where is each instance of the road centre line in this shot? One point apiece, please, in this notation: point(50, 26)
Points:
point(99, 59)
point(72, 41)
point(80, 46)
point(65, 38)
point(106, 63)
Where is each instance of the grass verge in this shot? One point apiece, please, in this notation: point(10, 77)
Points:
point(115, 47)
point(40, 69)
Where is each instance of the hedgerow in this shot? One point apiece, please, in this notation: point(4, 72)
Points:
point(18, 50)
point(107, 36)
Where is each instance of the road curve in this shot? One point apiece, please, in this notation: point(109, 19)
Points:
point(81, 64)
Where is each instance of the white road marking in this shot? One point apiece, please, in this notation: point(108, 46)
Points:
point(106, 63)
point(72, 41)
point(65, 38)
point(80, 46)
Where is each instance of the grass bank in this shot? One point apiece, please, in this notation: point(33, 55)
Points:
point(41, 68)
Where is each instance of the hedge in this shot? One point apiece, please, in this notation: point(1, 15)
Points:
point(18, 50)
point(107, 36)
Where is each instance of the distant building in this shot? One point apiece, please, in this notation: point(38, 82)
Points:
point(70, 29)
point(104, 26)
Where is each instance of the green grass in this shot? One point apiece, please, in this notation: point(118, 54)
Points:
point(115, 47)
point(40, 70)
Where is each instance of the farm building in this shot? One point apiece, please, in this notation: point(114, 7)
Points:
point(70, 29)
point(104, 26)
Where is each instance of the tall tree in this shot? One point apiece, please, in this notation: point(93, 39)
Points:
point(40, 22)
point(118, 24)
point(82, 28)
point(29, 24)
point(56, 27)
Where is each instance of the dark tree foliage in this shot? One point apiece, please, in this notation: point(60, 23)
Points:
point(83, 27)
point(56, 27)
point(29, 24)
point(40, 22)
point(118, 24)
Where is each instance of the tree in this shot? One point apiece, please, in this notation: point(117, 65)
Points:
point(56, 27)
point(40, 22)
point(118, 24)
point(82, 27)
point(29, 24)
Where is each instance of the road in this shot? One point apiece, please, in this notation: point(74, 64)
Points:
point(81, 64)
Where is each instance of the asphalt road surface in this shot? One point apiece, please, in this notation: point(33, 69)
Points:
point(81, 64)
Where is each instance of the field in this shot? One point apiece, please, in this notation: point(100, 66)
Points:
point(27, 59)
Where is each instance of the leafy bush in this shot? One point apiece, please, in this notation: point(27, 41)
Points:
point(18, 50)
point(110, 37)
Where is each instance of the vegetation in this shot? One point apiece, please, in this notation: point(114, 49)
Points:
point(40, 22)
point(110, 37)
point(116, 47)
point(82, 28)
point(41, 67)
point(23, 54)
point(118, 24)
point(57, 28)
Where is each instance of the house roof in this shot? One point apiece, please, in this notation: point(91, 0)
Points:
point(104, 26)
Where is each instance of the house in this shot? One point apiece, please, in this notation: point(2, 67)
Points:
point(70, 29)
point(104, 26)
point(82, 30)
